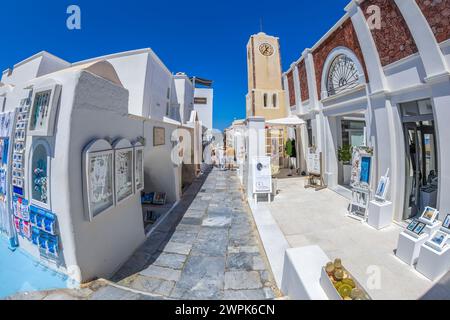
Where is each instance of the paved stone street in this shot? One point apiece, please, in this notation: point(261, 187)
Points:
point(212, 253)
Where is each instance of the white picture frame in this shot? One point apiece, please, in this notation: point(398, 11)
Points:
point(446, 223)
point(96, 150)
point(429, 215)
point(51, 95)
point(438, 240)
point(139, 167)
point(124, 166)
point(382, 188)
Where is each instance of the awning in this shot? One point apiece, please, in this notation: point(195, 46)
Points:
point(289, 121)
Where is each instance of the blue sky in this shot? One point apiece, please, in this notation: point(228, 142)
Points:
point(202, 38)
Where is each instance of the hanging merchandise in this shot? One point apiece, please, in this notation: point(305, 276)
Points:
point(7, 224)
point(43, 232)
point(20, 134)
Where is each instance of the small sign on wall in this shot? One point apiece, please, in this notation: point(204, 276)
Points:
point(159, 136)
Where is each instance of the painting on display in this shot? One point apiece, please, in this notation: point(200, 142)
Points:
point(100, 182)
point(139, 168)
point(43, 110)
point(124, 173)
point(314, 162)
point(361, 167)
point(159, 136)
point(39, 172)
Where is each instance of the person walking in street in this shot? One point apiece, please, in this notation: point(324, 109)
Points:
point(231, 155)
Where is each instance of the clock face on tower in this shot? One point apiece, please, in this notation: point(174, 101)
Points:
point(266, 49)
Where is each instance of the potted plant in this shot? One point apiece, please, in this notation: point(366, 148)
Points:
point(345, 156)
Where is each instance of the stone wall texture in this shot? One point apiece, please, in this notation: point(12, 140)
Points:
point(344, 36)
point(437, 13)
point(394, 40)
point(304, 89)
point(291, 88)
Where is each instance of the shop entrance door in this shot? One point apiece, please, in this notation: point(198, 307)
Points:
point(421, 167)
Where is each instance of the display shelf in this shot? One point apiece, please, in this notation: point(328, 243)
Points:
point(380, 214)
point(432, 263)
point(408, 248)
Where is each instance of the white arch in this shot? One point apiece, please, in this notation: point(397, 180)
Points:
point(326, 67)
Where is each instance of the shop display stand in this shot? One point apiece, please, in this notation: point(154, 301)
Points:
point(380, 214)
point(433, 263)
point(315, 180)
point(360, 204)
point(409, 246)
point(430, 228)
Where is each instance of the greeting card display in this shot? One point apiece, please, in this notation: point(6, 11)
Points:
point(159, 198)
point(415, 228)
point(20, 138)
point(446, 223)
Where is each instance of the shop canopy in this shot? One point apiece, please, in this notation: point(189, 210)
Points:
point(289, 121)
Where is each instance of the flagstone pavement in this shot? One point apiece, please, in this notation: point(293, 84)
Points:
point(207, 248)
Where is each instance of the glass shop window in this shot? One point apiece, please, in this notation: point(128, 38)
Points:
point(39, 172)
point(417, 108)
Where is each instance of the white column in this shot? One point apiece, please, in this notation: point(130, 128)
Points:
point(256, 147)
point(298, 96)
point(430, 52)
point(311, 76)
point(286, 93)
point(377, 78)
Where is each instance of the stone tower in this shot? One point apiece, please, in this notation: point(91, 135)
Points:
point(265, 92)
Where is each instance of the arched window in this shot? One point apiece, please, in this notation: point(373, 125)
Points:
point(274, 100)
point(40, 174)
point(343, 74)
point(265, 100)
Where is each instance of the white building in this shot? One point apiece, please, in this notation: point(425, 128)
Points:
point(387, 88)
point(204, 103)
point(79, 143)
point(184, 97)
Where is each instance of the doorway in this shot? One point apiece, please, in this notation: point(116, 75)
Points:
point(421, 185)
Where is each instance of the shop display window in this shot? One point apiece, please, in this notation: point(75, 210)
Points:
point(124, 173)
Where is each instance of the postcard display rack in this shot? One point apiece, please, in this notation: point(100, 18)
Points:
point(33, 219)
point(434, 256)
point(379, 215)
point(315, 170)
point(419, 231)
point(360, 182)
point(6, 146)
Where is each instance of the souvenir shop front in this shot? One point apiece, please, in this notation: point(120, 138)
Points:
point(66, 140)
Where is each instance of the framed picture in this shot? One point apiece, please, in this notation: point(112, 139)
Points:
point(446, 223)
point(159, 136)
point(412, 226)
point(439, 239)
point(98, 182)
point(139, 167)
point(429, 214)
point(43, 110)
point(147, 198)
point(159, 198)
point(123, 166)
point(419, 228)
point(382, 188)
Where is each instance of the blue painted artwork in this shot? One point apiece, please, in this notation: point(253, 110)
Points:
point(365, 169)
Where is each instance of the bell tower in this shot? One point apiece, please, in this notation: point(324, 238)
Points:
point(265, 92)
